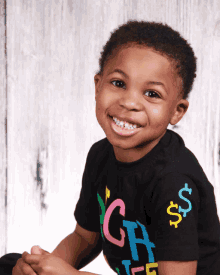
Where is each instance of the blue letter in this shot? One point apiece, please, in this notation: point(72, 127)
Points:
point(133, 240)
point(126, 263)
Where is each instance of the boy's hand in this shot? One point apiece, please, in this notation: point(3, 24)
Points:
point(22, 268)
point(47, 264)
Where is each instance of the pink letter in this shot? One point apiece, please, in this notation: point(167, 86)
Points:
point(108, 213)
point(136, 269)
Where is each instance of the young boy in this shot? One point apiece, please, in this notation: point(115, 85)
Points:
point(145, 200)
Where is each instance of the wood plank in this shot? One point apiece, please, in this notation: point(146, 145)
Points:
point(41, 126)
point(3, 133)
point(200, 126)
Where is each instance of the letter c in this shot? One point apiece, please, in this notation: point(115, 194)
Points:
point(112, 206)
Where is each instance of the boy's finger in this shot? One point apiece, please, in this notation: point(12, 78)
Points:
point(31, 259)
point(36, 250)
point(35, 267)
point(23, 268)
point(27, 269)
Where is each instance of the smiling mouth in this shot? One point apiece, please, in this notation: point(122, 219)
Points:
point(124, 124)
point(123, 128)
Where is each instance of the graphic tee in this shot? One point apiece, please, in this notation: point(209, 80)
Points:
point(158, 208)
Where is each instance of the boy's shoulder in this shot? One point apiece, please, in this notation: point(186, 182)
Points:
point(99, 152)
point(181, 160)
point(97, 158)
point(100, 144)
point(100, 147)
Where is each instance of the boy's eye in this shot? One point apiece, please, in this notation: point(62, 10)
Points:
point(121, 84)
point(118, 83)
point(152, 93)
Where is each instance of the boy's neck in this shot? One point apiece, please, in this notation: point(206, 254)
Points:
point(134, 154)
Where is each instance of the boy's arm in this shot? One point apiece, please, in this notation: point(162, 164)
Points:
point(177, 268)
point(79, 248)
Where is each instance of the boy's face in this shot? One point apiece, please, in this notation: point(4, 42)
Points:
point(138, 86)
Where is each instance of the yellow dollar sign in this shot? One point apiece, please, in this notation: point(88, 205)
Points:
point(174, 214)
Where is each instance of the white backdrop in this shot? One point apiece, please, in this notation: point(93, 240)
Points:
point(48, 105)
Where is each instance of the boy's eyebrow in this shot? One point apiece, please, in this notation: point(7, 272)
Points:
point(119, 71)
point(126, 76)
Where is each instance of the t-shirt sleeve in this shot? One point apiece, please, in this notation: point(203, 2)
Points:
point(175, 208)
point(87, 210)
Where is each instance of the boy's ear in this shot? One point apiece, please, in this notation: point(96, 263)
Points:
point(97, 80)
point(179, 111)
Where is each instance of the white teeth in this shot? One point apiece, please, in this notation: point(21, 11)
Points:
point(125, 125)
point(121, 124)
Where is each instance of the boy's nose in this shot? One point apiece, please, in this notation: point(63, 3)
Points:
point(131, 101)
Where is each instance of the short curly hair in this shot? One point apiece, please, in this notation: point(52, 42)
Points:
point(159, 37)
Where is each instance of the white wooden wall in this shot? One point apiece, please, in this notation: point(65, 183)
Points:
point(3, 146)
point(47, 96)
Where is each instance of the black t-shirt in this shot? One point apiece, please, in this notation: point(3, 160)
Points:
point(158, 208)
